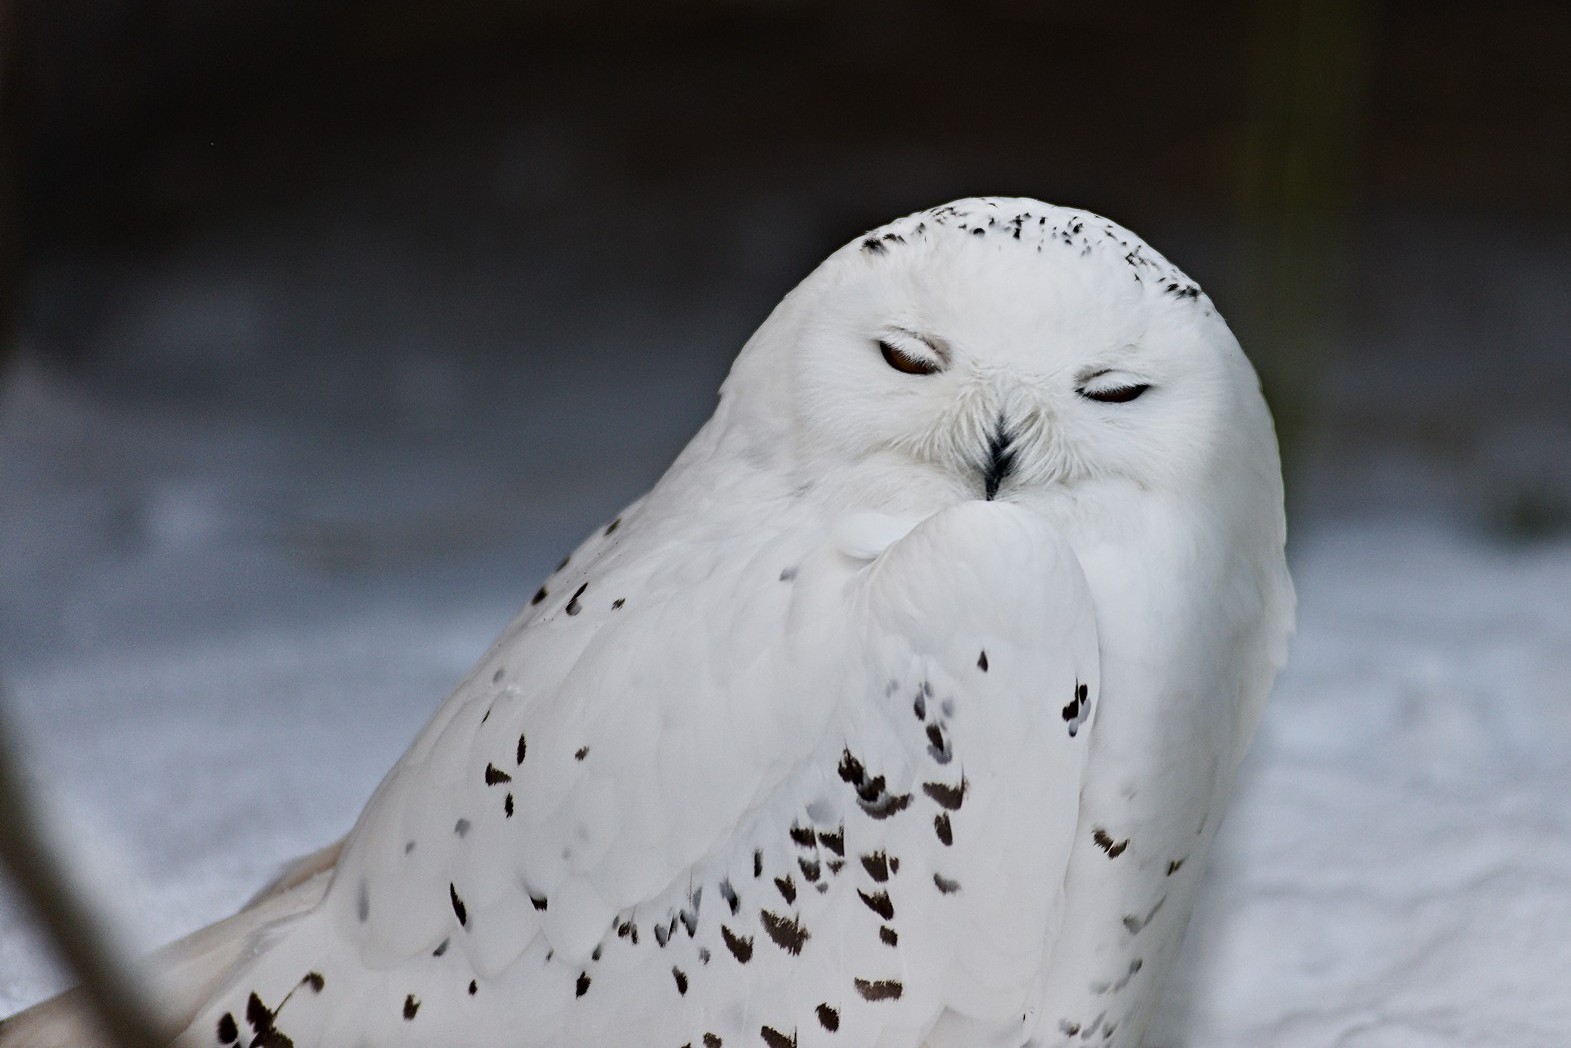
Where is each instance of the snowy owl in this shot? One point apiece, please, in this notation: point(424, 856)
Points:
point(901, 711)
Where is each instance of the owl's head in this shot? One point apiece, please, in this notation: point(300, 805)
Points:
point(1005, 348)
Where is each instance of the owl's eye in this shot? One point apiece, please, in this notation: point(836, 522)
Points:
point(1111, 387)
point(1114, 394)
point(907, 361)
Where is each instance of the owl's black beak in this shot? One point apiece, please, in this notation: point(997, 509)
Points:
point(1000, 460)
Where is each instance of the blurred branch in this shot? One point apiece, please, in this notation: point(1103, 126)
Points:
point(36, 869)
point(1298, 167)
point(10, 163)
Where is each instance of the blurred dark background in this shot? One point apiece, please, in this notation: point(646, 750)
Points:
point(513, 246)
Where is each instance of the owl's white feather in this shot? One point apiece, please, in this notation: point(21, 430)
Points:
point(900, 712)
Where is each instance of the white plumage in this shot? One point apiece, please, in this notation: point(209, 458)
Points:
point(900, 712)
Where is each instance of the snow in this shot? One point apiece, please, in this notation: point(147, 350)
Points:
point(232, 588)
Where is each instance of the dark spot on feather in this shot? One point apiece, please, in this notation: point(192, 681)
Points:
point(474, 987)
point(461, 827)
point(583, 751)
point(711, 1041)
point(616, 605)
point(872, 246)
point(945, 885)
point(583, 984)
point(835, 865)
point(879, 990)
point(851, 769)
point(409, 846)
point(1173, 866)
point(950, 797)
point(741, 947)
point(257, 1014)
point(315, 981)
point(681, 980)
point(1134, 966)
point(775, 1039)
point(507, 806)
point(939, 750)
point(835, 842)
point(497, 676)
point(877, 866)
point(523, 748)
point(935, 735)
point(787, 888)
point(689, 921)
point(1134, 923)
point(758, 862)
point(441, 948)
point(828, 1018)
point(879, 902)
point(228, 1029)
point(810, 869)
point(540, 594)
point(573, 607)
point(885, 805)
point(411, 1006)
point(981, 660)
point(1106, 843)
point(458, 906)
point(703, 954)
point(363, 901)
point(729, 895)
point(889, 936)
point(941, 826)
point(787, 574)
point(597, 951)
point(495, 775)
point(803, 836)
point(613, 525)
point(787, 932)
point(919, 707)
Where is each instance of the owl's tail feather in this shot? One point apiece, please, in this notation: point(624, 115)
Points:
point(186, 973)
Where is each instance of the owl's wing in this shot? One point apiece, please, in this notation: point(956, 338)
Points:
point(775, 789)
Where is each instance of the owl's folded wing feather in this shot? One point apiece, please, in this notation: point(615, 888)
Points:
point(820, 791)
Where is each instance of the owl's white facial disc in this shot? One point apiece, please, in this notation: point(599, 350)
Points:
point(1003, 348)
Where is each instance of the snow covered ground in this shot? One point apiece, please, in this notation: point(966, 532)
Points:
point(231, 593)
